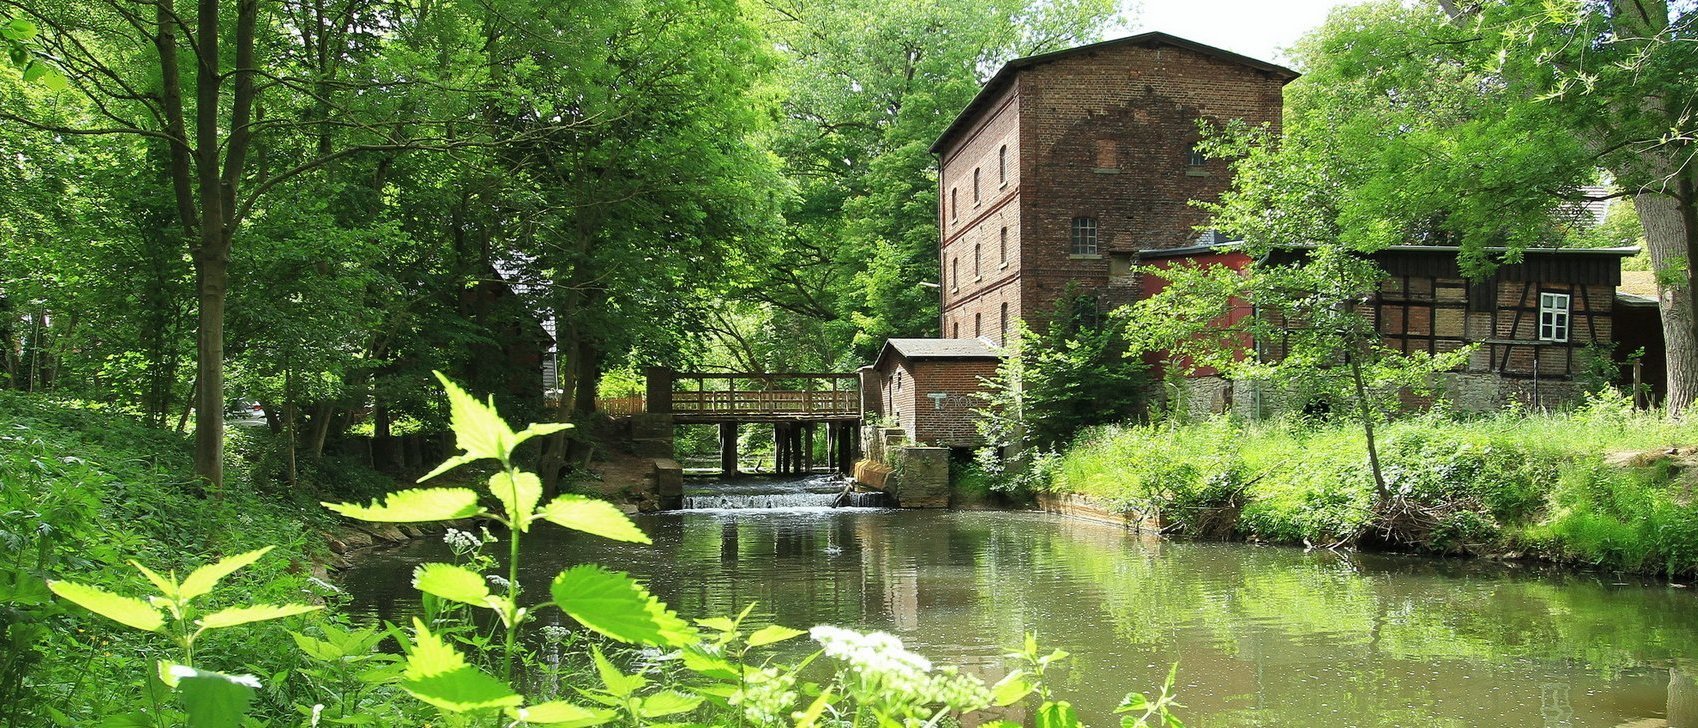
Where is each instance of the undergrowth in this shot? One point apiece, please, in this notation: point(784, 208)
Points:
point(1558, 486)
point(84, 491)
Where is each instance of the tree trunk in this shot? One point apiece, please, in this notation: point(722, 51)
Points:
point(1672, 242)
point(1366, 412)
point(209, 383)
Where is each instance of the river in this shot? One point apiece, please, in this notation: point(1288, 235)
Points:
point(1262, 635)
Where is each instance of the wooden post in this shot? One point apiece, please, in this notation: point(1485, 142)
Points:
point(780, 443)
point(659, 389)
point(728, 448)
point(807, 434)
point(1638, 386)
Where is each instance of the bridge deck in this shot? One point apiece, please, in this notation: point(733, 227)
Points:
point(701, 397)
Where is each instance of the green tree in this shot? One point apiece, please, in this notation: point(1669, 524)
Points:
point(1477, 124)
point(1309, 336)
point(1052, 384)
point(868, 86)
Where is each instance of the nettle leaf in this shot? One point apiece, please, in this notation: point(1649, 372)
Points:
point(167, 586)
point(772, 634)
point(519, 493)
point(214, 699)
point(593, 516)
point(438, 674)
point(201, 581)
point(478, 429)
point(256, 613)
point(415, 506)
point(1011, 689)
point(127, 611)
point(667, 702)
point(559, 714)
point(455, 583)
point(540, 429)
point(613, 604)
point(618, 684)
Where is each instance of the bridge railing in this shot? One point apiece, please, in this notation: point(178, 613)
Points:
point(778, 394)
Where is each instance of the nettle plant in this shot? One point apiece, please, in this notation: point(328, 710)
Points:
point(715, 671)
point(208, 698)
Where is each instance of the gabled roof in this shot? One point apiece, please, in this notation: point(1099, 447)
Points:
point(1006, 74)
point(913, 349)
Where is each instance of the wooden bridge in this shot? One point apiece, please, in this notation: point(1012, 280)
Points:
point(795, 403)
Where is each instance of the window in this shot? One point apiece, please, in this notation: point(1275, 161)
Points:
point(1084, 236)
point(1553, 317)
point(976, 275)
point(1002, 325)
point(1108, 155)
point(1002, 246)
point(975, 185)
point(954, 204)
point(954, 273)
point(899, 380)
point(1002, 165)
point(955, 333)
point(976, 332)
point(1195, 157)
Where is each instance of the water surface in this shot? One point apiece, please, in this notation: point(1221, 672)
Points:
point(1263, 636)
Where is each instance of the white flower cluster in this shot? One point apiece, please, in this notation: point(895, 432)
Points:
point(877, 653)
point(904, 681)
point(766, 695)
point(554, 634)
point(461, 542)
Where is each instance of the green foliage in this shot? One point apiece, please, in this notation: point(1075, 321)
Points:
point(1507, 483)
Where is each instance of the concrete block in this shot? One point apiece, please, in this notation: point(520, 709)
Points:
point(921, 478)
point(669, 483)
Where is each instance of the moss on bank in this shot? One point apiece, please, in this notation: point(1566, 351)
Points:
point(1603, 486)
point(84, 490)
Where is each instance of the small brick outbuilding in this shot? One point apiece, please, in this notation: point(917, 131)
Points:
point(928, 386)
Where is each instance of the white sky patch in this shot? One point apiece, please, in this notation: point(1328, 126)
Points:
point(1261, 29)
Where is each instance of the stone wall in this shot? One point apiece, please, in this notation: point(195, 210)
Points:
point(920, 477)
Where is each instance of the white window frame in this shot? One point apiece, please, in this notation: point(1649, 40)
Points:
point(1555, 316)
point(1082, 239)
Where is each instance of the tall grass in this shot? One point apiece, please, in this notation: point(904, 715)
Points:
point(1558, 486)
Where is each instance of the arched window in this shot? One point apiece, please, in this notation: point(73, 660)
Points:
point(1002, 246)
point(1084, 236)
point(956, 333)
point(976, 332)
point(954, 273)
point(975, 185)
point(976, 274)
point(1002, 325)
point(954, 204)
point(1002, 165)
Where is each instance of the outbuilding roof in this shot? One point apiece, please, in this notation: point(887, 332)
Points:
point(913, 349)
point(1006, 74)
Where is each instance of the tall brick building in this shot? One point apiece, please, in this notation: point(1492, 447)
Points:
point(1067, 164)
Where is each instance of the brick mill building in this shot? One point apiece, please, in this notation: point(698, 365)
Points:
point(1070, 170)
point(1067, 164)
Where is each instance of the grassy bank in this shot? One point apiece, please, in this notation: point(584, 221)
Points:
point(1595, 487)
point(83, 491)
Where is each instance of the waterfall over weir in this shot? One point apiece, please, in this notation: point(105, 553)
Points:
point(820, 491)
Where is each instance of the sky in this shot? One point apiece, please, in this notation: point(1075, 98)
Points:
point(1260, 29)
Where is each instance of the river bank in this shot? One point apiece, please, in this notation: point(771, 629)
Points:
point(1602, 488)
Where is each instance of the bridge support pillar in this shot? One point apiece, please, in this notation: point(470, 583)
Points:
point(728, 448)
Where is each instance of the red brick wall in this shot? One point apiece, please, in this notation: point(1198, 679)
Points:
point(951, 424)
point(1103, 134)
point(1144, 102)
point(1149, 285)
point(897, 393)
point(968, 223)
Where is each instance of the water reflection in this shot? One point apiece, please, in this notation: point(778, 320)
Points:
point(1264, 636)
